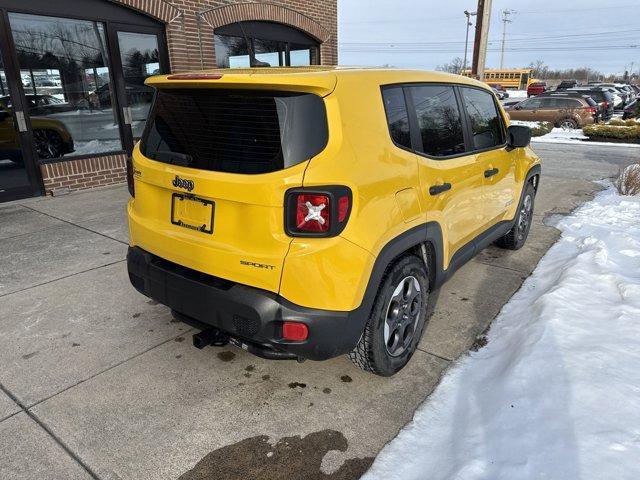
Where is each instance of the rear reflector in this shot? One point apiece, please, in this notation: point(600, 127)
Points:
point(294, 331)
point(195, 76)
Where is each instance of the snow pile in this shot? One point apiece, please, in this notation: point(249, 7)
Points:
point(556, 392)
point(526, 123)
point(563, 135)
point(517, 94)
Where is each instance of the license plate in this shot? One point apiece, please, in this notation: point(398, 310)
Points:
point(192, 212)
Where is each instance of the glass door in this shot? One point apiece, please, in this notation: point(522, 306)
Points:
point(140, 52)
point(18, 178)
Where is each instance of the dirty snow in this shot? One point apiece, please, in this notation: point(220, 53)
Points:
point(556, 392)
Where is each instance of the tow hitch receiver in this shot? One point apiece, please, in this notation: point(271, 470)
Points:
point(211, 336)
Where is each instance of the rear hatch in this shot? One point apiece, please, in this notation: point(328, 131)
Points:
point(213, 166)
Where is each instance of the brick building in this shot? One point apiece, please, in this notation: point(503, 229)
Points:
point(72, 95)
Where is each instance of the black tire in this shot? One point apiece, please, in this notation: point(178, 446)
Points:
point(517, 236)
point(568, 123)
point(386, 356)
point(48, 143)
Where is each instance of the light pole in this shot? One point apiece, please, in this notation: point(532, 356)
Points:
point(466, 39)
point(505, 20)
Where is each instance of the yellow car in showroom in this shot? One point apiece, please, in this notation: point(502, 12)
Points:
point(51, 138)
point(308, 213)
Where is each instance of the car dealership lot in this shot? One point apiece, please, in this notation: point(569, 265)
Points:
point(98, 382)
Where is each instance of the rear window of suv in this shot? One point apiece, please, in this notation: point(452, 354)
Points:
point(235, 131)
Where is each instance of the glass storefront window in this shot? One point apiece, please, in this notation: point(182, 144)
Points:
point(263, 44)
point(65, 73)
point(140, 59)
point(268, 53)
point(231, 52)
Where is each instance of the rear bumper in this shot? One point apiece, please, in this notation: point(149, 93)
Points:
point(245, 313)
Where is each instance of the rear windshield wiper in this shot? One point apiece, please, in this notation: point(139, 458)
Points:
point(174, 158)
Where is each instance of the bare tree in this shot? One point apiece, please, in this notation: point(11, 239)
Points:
point(455, 66)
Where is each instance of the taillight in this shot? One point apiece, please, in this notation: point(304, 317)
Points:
point(312, 213)
point(592, 110)
point(295, 331)
point(132, 188)
point(317, 212)
point(195, 76)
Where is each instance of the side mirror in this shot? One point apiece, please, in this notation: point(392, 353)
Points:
point(518, 136)
point(518, 107)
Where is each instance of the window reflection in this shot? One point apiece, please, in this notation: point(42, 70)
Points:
point(231, 52)
point(485, 120)
point(65, 73)
point(140, 59)
point(439, 120)
point(397, 116)
point(260, 44)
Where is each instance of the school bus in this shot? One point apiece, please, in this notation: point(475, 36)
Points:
point(517, 79)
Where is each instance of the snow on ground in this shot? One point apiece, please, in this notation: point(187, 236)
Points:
point(95, 146)
point(526, 123)
point(555, 394)
point(576, 137)
point(517, 94)
point(563, 135)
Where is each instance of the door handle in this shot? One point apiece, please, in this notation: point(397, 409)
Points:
point(491, 172)
point(22, 124)
point(128, 117)
point(437, 189)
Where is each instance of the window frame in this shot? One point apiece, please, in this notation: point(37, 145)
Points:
point(414, 129)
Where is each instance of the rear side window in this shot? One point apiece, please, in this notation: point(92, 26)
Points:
point(236, 131)
point(439, 120)
point(486, 124)
point(397, 116)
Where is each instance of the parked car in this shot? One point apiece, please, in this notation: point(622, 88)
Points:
point(601, 96)
point(498, 93)
point(500, 87)
point(565, 112)
point(565, 84)
point(618, 100)
point(41, 104)
point(225, 232)
point(536, 88)
point(618, 89)
point(631, 110)
point(50, 137)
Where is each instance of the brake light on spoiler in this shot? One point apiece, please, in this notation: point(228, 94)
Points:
point(195, 76)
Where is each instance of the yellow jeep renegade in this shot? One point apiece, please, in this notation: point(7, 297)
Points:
point(308, 213)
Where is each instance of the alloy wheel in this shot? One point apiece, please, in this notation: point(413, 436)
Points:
point(525, 216)
point(48, 144)
point(402, 316)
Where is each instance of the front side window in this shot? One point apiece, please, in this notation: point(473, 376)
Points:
point(486, 123)
point(439, 120)
point(65, 62)
point(397, 116)
point(235, 131)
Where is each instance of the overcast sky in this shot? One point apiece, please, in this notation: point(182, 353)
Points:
point(601, 34)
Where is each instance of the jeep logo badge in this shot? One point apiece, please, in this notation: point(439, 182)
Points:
point(182, 183)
